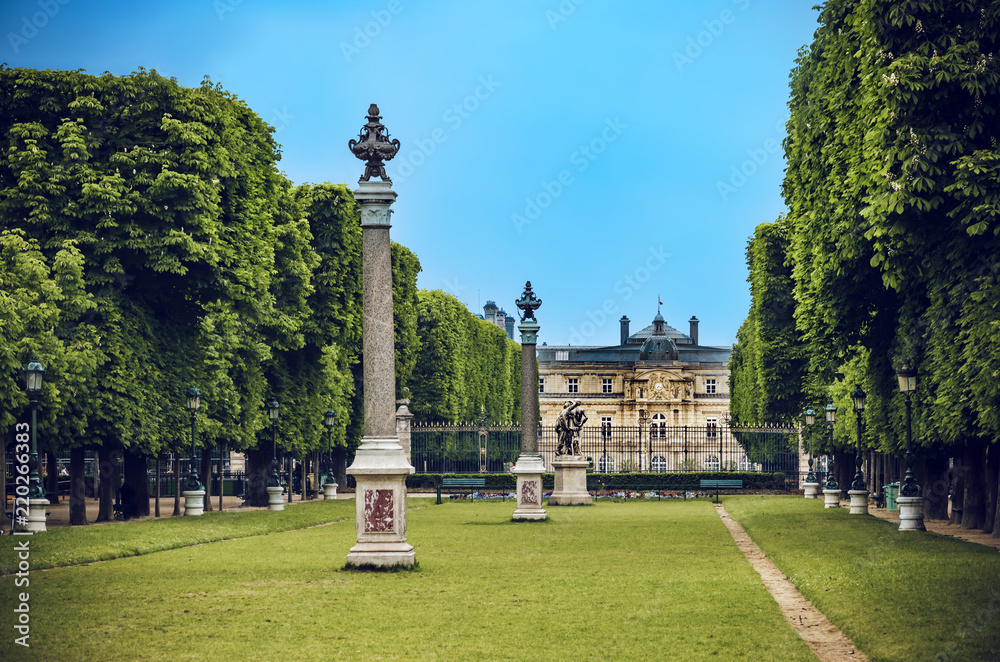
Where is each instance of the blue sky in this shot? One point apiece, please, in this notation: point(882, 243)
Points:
point(610, 152)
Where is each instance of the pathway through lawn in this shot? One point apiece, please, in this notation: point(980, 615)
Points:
point(824, 638)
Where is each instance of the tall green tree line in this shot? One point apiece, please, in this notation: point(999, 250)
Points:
point(151, 244)
point(893, 236)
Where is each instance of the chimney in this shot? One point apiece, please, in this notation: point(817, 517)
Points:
point(624, 322)
point(694, 329)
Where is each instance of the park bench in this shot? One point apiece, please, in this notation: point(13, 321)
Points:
point(466, 483)
point(721, 484)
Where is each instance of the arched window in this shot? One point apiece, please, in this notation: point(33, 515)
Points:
point(712, 463)
point(658, 464)
point(658, 427)
point(606, 465)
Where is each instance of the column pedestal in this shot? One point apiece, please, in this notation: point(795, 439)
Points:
point(529, 470)
point(274, 500)
point(380, 469)
point(194, 502)
point(811, 490)
point(831, 498)
point(859, 502)
point(570, 482)
point(36, 515)
point(329, 490)
point(911, 513)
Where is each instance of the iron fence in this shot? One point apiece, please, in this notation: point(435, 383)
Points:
point(612, 449)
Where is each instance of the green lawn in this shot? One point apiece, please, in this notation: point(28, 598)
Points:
point(898, 595)
point(635, 581)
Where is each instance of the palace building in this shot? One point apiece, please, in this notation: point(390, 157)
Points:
point(657, 377)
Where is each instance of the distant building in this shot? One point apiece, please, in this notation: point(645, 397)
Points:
point(657, 377)
point(497, 316)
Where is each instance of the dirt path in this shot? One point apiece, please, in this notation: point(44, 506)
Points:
point(942, 527)
point(826, 641)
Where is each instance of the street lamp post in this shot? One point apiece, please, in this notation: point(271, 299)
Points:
point(34, 373)
point(831, 492)
point(330, 486)
point(274, 500)
point(194, 491)
point(811, 486)
point(859, 491)
point(911, 504)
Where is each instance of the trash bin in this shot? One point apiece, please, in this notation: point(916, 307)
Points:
point(891, 492)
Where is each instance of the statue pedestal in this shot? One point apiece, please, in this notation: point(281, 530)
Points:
point(911, 513)
point(329, 490)
point(570, 482)
point(831, 498)
point(380, 470)
point(274, 500)
point(194, 502)
point(529, 470)
point(36, 515)
point(811, 490)
point(859, 502)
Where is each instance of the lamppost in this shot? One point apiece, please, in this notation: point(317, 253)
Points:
point(194, 491)
point(811, 486)
point(34, 373)
point(274, 500)
point(859, 491)
point(831, 492)
point(911, 504)
point(330, 486)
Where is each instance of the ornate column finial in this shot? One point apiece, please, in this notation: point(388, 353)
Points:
point(528, 303)
point(374, 148)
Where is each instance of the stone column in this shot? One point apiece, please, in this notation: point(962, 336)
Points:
point(529, 466)
point(36, 515)
point(380, 466)
point(194, 502)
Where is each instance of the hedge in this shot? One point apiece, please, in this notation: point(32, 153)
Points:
point(604, 481)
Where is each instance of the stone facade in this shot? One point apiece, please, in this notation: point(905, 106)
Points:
point(657, 376)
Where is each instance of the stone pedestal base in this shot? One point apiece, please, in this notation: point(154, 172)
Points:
point(570, 482)
point(329, 490)
point(811, 490)
point(911, 513)
point(194, 502)
point(36, 515)
point(831, 498)
point(529, 470)
point(859, 502)
point(380, 469)
point(274, 500)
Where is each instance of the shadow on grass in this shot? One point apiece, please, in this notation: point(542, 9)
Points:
point(370, 567)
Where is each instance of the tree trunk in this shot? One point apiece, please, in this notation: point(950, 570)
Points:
point(934, 477)
point(206, 477)
point(157, 490)
point(52, 478)
point(77, 488)
point(177, 485)
point(957, 488)
point(258, 468)
point(108, 469)
point(340, 465)
point(974, 499)
point(992, 475)
point(996, 517)
point(222, 475)
point(137, 480)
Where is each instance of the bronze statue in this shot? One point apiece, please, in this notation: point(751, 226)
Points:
point(568, 425)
